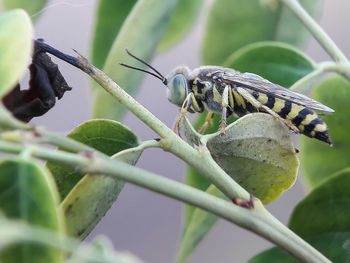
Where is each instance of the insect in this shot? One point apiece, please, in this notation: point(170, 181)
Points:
point(227, 91)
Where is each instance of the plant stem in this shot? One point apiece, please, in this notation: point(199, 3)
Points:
point(171, 142)
point(306, 84)
point(321, 36)
point(257, 220)
point(41, 136)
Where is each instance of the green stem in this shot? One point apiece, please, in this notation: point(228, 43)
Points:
point(68, 144)
point(321, 36)
point(306, 84)
point(169, 140)
point(257, 220)
point(149, 144)
point(41, 136)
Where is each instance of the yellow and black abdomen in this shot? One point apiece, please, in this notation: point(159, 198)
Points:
point(306, 120)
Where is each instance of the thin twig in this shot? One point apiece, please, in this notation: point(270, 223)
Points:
point(321, 36)
point(257, 220)
point(169, 140)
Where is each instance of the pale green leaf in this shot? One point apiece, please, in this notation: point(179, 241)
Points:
point(278, 62)
point(334, 246)
point(16, 41)
point(326, 209)
point(107, 136)
point(141, 33)
point(257, 152)
point(28, 193)
point(181, 22)
point(110, 17)
point(322, 219)
point(87, 198)
point(93, 196)
point(32, 7)
point(233, 24)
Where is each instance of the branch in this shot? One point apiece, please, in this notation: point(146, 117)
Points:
point(321, 36)
point(171, 142)
point(257, 220)
point(306, 84)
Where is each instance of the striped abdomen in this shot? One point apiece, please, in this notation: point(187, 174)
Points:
point(305, 119)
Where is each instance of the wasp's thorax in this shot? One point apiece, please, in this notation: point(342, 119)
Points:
point(177, 88)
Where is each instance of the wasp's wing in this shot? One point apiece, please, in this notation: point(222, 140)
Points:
point(259, 84)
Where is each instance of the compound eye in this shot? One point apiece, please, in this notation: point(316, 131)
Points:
point(177, 90)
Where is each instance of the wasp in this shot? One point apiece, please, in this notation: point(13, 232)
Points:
point(227, 91)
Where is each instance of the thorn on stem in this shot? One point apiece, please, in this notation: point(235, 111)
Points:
point(88, 154)
point(36, 131)
point(249, 204)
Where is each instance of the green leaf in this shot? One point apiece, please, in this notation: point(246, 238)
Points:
point(281, 64)
point(325, 209)
point(28, 193)
point(199, 225)
point(106, 136)
point(290, 29)
point(110, 17)
point(180, 23)
point(141, 34)
point(93, 196)
point(335, 246)
point(318, 160)
point(322, 219)
point(32, 7)
point(16, 40)
point(278, 62)
point(257, 152)
point(233, 24)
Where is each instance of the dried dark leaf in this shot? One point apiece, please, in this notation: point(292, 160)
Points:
point(45, 84)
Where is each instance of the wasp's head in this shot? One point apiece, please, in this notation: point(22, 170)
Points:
point(176, 82)
point(177, 85)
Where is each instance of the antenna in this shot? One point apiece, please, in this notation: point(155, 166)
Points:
point(157, 74)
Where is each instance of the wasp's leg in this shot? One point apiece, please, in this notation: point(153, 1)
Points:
point(208, 121)
point(224, 105)
point(257, 104)
point(188, 102)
